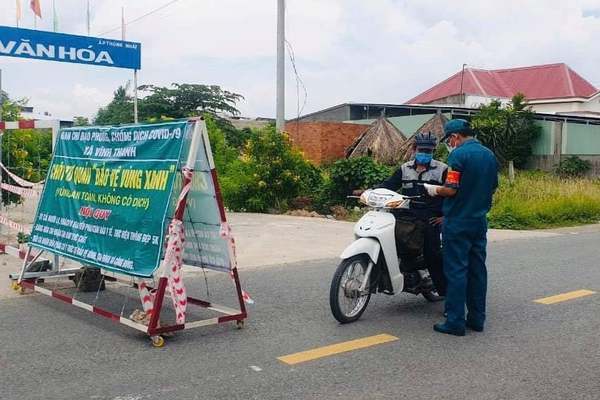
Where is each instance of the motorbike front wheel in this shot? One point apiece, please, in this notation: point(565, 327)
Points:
point(346, 301)
point(432, 297)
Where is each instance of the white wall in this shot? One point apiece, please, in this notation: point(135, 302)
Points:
point(582, 108)
point(475, 101)
point(471, 101)
point(591, 107)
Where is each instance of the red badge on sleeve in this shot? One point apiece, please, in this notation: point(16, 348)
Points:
point(453, 178)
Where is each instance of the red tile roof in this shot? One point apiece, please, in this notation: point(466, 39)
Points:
point(536, 83)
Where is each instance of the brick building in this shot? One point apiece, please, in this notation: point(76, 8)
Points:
point(323, 142)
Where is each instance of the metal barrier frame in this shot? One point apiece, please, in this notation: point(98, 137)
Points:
point(28, 280)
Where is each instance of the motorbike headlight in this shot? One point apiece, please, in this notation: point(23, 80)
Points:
point(378, 200)
point(401, 203)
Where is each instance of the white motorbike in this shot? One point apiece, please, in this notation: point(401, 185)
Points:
point(371, 263)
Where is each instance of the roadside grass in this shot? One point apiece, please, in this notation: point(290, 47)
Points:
point(538, 200)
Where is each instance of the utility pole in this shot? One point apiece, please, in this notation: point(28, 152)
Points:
point(280, 122)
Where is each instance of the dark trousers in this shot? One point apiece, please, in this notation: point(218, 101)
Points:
point(415, 235)
point(464, 253)
point(432, 253)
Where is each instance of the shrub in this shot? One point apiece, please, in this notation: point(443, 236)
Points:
point(353, 173)
point(269, 174)
point(573, 167)
point(441, 153)
point(26, 153)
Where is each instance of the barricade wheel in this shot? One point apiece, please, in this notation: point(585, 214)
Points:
point(239, 324)
point(158, 341)
point(17, 287)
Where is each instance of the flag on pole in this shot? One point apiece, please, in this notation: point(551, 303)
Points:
point(35, 7)
point(88, 17)
point(54, 16)
point(122, 23)
point(19, 13)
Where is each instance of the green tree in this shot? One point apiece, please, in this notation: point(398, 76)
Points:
point(25, 152)
point(508, 131)
point(118, 111)
point(225, 156)
point(186, 100)
point(81, 121)
point(178, 101)
point(10, 110)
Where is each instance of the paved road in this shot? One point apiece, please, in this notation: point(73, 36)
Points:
point(265, 239)
point(529, 350)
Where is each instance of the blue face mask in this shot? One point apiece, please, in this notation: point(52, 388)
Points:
point(423, 158)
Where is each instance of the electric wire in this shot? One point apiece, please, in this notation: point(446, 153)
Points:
point(299, 81)
point(141, 17)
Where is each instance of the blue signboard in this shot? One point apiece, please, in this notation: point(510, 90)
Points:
point(50, 46)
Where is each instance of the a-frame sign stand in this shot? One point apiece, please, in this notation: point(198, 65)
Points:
point(153, 298)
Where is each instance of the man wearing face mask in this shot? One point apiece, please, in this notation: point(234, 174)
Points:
point(468, 190)
point(411, 177)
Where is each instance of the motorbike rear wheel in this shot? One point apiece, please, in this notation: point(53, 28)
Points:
point(346, 302)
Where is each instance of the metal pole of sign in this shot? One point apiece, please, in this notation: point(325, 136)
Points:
point(1, 140)
point(135, 84)
point(135, 96)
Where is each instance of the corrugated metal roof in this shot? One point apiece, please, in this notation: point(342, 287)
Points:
point(539, 82)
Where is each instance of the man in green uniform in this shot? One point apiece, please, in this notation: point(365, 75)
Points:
point(471, 182)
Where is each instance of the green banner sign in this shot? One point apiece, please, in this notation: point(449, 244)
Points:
point(107, 195)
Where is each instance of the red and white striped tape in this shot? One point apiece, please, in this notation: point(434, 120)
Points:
point(226, 234)
point(11, 224)
point(147, 299)
point(187, 177)
point(173, 264)
point(23, 192)
point(173, 261)
point(20, 181)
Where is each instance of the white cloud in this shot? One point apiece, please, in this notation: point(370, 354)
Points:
point(346, 50)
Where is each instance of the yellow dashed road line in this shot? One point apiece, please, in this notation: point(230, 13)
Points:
point(565, 296)
point(337, 348)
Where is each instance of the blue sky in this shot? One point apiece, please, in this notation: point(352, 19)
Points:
point(346, 50)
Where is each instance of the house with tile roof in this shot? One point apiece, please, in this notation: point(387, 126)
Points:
point(551, 88)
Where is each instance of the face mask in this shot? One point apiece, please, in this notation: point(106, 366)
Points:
point(423, 158)
point(449, 145)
